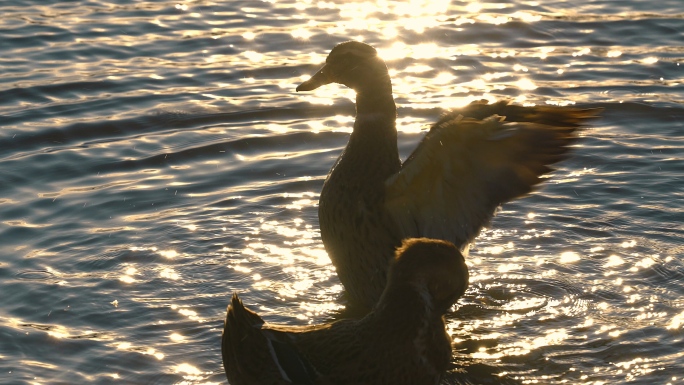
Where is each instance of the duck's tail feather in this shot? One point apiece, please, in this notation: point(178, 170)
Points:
point(238, 314)
point(237, 339)
point(254, 353)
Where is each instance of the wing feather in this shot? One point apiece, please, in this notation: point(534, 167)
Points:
point(465, 167)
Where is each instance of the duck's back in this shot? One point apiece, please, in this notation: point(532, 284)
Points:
point(364, 352)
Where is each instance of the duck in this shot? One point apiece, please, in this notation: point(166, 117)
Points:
point(401, 341)
point(469, 163)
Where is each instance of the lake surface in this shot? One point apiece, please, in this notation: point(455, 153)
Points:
point(155, 157)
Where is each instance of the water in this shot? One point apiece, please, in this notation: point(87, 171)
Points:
point(155, 158)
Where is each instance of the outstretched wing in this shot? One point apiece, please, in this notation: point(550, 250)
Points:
point(465, 167)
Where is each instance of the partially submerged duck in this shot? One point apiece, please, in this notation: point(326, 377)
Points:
point(402, 341)
point(470, 162)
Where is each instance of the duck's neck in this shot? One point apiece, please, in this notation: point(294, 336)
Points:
point(377, 100)
point(414, 309)
point(374, 139)
point(376, 116)
point(416, 321)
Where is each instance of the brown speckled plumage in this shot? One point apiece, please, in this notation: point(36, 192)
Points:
point(402, 341)
point(470, 162)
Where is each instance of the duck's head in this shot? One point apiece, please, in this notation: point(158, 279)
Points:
point(354, 64)
point(435, 268)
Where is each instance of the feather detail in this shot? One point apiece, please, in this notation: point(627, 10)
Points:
point(464, 168)
point(289, 360)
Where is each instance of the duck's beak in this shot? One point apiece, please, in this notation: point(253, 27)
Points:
point(320, 78)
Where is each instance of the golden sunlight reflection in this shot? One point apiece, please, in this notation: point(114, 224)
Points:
point(139, 349)
point(169, 254)
point(518, 67)
point(316, 309)
point(444, 78)
point(300, 204)
point(676, 322)
point(58, 331)
point(473, 7)
point(526, 84)
point(644, 264)
point(492, 19)
point(587, 323)
point(415, 68)
point(253, 56)
point(128, 274)
point(552, 337)
point(613, 261)
point(634, 298)
point(187, 369)
point(274, 254)
point(526, 17)
point(389, 32)
point(294, 289)
point(420, 24)
point(302, 262)
point(508, 267)
point(412, 125)
point(301, 234)
point(301, 33)
point(494, 250)
point(240, 268)
point(628, 244)
point(277, 128)
point(525, 304)
point(261, 284)
point(400, 50)
point(190, 314)
point(169, 273)
point(124, 345)
point(569, 257)
point(414, 8)
point(649, 315)
point(582, 52)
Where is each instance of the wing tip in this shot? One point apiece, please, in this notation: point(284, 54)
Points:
point(508, 111)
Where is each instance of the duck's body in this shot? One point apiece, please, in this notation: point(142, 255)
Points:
point(349, 200)
point(469, 163)
point(403, 341)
